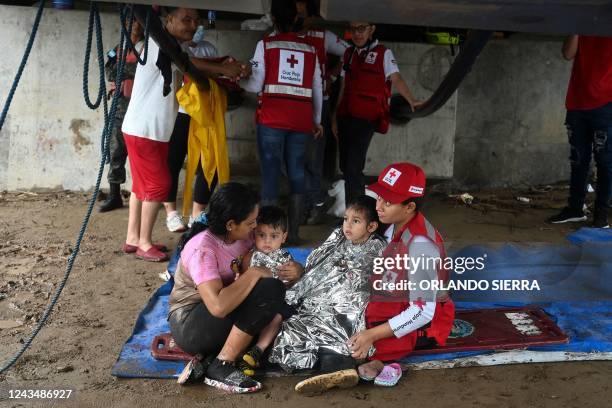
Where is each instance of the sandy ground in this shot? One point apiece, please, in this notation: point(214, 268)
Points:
point(107, 289)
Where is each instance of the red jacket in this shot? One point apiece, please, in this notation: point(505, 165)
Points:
point(366, 89)
point(286, 100)
point(590, 85)
point(381, 311)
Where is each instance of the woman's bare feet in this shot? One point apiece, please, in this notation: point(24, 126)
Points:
point(370, 369)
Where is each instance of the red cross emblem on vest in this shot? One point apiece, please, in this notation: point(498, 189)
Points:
point(292, 61)
point(420, 303)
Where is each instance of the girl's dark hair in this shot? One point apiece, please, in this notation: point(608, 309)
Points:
point(366, 205)
point(230, 201)
point(283, 13)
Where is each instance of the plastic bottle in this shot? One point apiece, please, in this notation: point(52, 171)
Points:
point(212, 17)
point(199, 34)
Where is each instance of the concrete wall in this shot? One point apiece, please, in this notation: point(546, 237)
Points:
point(50, 139)
point(510, 116)
point(429, 141)
point(505, 118)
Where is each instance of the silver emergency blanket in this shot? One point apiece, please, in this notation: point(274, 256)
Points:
point(330, 300)
point(271, 260)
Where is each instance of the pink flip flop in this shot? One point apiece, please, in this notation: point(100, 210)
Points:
point(389, 376)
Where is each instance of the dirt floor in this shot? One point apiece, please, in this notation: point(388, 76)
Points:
point(107, 289)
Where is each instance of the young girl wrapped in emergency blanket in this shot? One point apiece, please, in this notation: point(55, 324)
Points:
point(331, 297)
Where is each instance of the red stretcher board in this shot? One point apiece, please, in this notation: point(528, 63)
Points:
point(473, 330)
point(164, 348)
point(499, 329)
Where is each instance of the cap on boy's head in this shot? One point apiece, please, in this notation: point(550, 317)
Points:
point(399, 182)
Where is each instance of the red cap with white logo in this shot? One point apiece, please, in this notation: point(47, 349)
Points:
point(399, 182)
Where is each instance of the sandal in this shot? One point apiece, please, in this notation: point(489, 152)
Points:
point(367, 378)
point(389, 376)
point(320, 383)
point(130, 249)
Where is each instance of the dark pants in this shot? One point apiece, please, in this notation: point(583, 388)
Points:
point(274, 145)
point(176, 157)
point(315, 155)
point(355, 137)
point(590, 134)
point(118, 151)
point(196, 330)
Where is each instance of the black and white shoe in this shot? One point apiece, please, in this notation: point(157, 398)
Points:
point(568, 214)
point(225, 376)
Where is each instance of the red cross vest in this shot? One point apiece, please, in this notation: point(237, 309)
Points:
point(366, 89)
point(400, 244)
point(316, 37)
point(286, 99)
point(381, 309)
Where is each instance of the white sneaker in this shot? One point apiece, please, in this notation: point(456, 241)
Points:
point(175, 223)
point(165, 276)
point(192, 219)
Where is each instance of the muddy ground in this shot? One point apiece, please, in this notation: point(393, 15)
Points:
point(107, 289)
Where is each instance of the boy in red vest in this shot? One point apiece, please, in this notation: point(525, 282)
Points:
point(397, 321)
point(368, 73)
point(419, 317)
point(287, 76)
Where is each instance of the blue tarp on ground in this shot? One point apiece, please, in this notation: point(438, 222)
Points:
point(590, 235)
point(581, 276)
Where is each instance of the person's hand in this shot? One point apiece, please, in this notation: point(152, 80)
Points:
point(262, 272)
point(245, 66)
point(414, 104)
point(232, 69)
point(360, 344)
point(290, 272)
point(334, 126)
point(317, 130)
point(247, 69)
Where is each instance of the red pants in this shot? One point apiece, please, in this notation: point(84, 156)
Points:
point(149, 166)
point(394, 348)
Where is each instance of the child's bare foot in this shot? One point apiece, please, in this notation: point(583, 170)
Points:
point(368, 371)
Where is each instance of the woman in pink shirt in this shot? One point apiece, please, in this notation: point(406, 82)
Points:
point(211, 312)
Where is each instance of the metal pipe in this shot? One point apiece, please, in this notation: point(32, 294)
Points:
point(474, 44)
